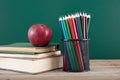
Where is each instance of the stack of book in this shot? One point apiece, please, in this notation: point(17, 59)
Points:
point(23, 57)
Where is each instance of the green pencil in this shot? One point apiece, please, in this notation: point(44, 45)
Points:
point(71, 44)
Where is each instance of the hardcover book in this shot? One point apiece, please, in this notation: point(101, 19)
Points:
point(27, 48)
point(32, 66)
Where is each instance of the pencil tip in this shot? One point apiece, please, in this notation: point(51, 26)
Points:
point(63, 18)
point(66, 17)
point(88, 16)
point(60, 18)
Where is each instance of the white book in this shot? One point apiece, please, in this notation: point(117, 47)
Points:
point(33, 65)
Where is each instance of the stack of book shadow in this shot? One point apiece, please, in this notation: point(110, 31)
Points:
point(23, 57)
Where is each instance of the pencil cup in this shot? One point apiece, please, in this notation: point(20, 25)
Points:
point(76, 55)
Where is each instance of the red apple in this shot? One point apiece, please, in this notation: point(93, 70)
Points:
point(39, 35)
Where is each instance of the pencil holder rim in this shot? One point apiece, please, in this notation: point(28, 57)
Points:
point(75, 39)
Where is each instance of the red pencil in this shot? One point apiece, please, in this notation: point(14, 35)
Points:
point(76, 43)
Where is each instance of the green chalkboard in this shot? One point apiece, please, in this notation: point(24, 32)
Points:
point(16, 16)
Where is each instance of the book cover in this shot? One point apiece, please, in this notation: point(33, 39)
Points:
point(35, 56)
point(27, 48)
point(32, 66)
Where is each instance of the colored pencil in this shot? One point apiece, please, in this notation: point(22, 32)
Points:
point(71, 53)
point(77, 45)
point(67, 45)
point(71, 44)
point(78, 23)
point(88, 24)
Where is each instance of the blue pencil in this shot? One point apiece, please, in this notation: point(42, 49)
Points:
point(71, 44)
point(70, 57)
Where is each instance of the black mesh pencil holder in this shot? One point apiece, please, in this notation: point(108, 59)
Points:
point(76, 55)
